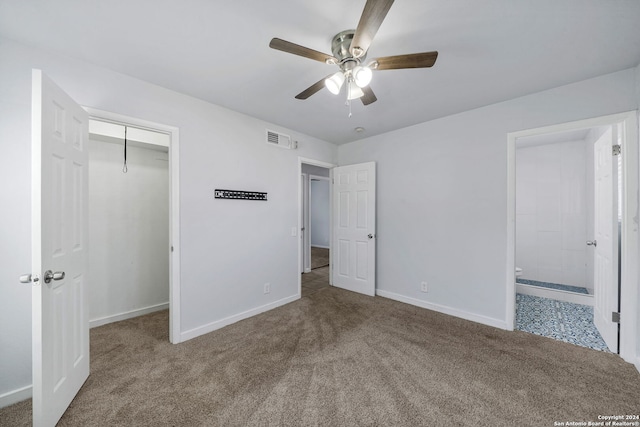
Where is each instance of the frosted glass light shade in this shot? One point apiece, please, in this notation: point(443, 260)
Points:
point(362, 75)
point(354, 91)
point(334, 83)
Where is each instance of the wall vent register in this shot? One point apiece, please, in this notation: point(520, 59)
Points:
point(281, 140)
point(240, 195)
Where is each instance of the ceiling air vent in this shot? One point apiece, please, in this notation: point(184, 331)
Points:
point(280, 140)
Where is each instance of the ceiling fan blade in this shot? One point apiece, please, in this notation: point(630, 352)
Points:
point(296, 49)
point(369, 97)
point(413, 60)
point(372, 16)
point(316, 87)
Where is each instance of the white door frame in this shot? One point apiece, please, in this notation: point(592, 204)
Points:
point(174, 207)
point(629, 292)
point(303, 212)
point(321, 164)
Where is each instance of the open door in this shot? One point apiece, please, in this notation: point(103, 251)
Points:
point(605, 244)
point(354, 228)
point(60, 318)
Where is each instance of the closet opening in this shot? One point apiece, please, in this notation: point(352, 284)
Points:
point(130, 217)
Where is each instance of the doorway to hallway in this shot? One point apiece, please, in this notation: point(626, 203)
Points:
point(316, 227)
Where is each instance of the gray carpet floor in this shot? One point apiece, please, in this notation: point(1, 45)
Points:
point(337, 358)
point(319, 257)
point(315, 280)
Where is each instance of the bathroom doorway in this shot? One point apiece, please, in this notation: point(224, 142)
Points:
point(554, 223)
point(558, 266)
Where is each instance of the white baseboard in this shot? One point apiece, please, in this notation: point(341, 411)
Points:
point(307, 270)
point(556, 294)
point(127, 315)
point(321, 247)
point(489, 321)
point(15, 396)
point(210, 327)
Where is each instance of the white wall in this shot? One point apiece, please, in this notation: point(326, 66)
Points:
point(552, 212)
point(319, 212)
point(442, 195)
point(15, 237)
point(222, 276)
point(128, 230)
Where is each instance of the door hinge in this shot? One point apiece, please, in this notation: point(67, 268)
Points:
point(615, 149)
point(615, 317)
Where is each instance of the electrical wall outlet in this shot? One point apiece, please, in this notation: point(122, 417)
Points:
point(423, 287)
point(267, 288)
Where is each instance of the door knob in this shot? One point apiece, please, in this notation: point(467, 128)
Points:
point(592, 243)
point(28, 278)
point(370, 236)
point(49, 275)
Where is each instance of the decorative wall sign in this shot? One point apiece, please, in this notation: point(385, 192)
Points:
point(240, 195)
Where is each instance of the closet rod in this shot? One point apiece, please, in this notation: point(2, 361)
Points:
point(114, 122)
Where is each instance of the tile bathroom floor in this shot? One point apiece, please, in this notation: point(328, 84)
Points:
point(563, 321)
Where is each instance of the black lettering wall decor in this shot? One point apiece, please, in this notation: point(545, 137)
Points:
point(240, 195)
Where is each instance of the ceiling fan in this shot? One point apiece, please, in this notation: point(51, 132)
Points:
point(349, 50)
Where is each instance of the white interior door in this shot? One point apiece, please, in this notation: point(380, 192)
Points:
point(354, 227)
point(606, 240)
point(60, 318)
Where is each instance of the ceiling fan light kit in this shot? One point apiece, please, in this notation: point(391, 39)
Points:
point(349, 49)
point(351, 71)
point(354, 91)
point(335, 82)
point(362, 75)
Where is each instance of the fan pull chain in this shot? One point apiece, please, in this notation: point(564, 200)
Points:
point(125, 169)
point(348, 103)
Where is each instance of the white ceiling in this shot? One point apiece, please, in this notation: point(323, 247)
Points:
point(489, 51)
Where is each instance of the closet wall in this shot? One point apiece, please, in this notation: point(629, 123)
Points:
point(128, 231)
